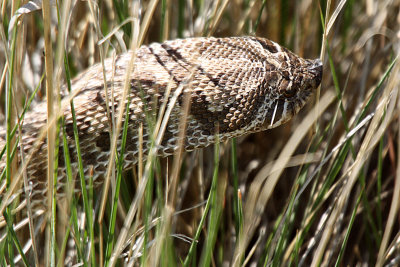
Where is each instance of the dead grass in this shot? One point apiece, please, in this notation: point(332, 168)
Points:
point(320, 190)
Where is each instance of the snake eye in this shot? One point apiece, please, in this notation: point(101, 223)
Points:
point(289, 92)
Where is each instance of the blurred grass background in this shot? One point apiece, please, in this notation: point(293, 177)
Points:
point(320, 190)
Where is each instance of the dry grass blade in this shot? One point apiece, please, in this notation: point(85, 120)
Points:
point(261, 191)
point(395, 204)
point(330, 198)
point(334, 16)
point(373, 135)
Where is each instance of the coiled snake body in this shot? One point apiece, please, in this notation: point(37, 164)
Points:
point(236, 86)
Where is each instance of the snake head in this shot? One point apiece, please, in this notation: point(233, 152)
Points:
point(296, 81)
point(298, 87)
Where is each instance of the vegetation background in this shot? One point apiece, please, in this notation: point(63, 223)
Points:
point(320, 190)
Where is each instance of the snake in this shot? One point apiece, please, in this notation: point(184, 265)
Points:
point(223, 87)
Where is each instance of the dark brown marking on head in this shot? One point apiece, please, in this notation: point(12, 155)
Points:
point(272, 78)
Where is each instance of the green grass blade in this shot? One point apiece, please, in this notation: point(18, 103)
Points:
point(215, 213)
point(120, 162)
point(236, 200)
point(211, 197)
point(9, 140)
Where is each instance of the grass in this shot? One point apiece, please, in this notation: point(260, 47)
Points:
point(321, 190)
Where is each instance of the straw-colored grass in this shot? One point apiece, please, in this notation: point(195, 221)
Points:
point(321, 190)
